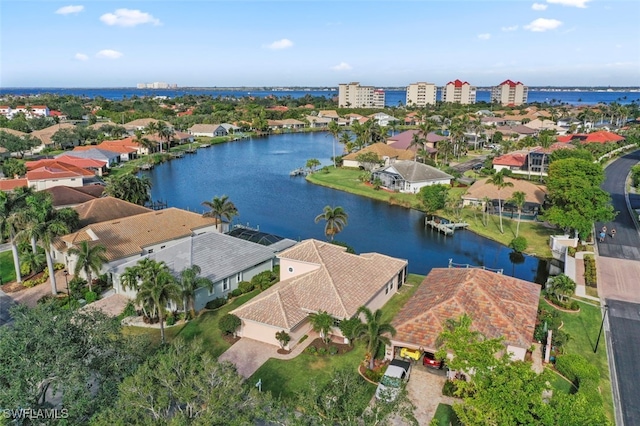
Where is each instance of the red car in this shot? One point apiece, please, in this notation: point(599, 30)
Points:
point(430, 360)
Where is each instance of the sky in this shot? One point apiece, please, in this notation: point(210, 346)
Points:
point(231, 43)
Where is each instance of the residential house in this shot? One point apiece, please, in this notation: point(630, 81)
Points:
point(97, 167)
point(275, 243)
point(509, 93)
point(383, 119)
point(460, 92)
point(410, 176)
point(499, 306)
point(225, 260)
point(45, 135)
point(539, 124)
point(274, 124)
point(230, 128)
point(210, 130)
point(292, 123)
point(45, 174)
point(111, 158)
point(9, 185)
point(106, 209)
point(601, 137)
point(386, 153)
point(482, 190)
point(143, 123)
point(403, 140)
point(315, 277)
point(513, 161)
point(129, 238)
point(124, 152)
point(66, 196)
point(515, 133)
point(331, 113)
point(318, 122)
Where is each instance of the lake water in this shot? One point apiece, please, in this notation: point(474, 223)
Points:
point(254, 173)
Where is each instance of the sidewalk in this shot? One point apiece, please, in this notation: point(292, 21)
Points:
point(574, 269)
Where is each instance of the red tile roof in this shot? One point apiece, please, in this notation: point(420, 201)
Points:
point(54, 172)
point(11, 184)
point(84, 163)
point(516, 159)
point(458, 83)
point(510, 83)
point(599, 137)
point(499, 306)
point(57, 166)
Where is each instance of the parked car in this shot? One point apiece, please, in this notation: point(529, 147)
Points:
point(413, 354)
point(430, 360)
point(397, 374)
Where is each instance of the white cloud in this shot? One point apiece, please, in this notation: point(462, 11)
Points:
point(511, 28)
point(342, 66)
point(129, 18)
point(109, 54)
point(81, 57)
point(543, 24)
point(66, 10)
point(485, 36)
point(573, 3)
point(539, 6)
point(285, 43)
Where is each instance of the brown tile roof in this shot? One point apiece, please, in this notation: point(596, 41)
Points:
point(499, 306)
point(482, 188)
point(67, 196)
point(45, 134)
point(107, 208)
point(129, 235)
point(340, 285)
point(383, 150)
point(144, 122)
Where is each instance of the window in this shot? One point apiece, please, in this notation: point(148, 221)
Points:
point(225, 284)
point(150, 251)
point(161, 247)
point(290, 269)
point(212, 290)
point(239, 277)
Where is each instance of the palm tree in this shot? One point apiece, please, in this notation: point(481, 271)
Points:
point(498, 181)
point(545, 140)
point(417, 140)
point(190, 283)
point(321, 322)
point(518, 198)
point(336, 220)
point(13, 215)
point(130, 187)
point(373, 331)
point(334, 130)
point(47, 231)
point(345, 139)
point(561, 287)
point(89, 259)
point(220, 208)
point(155, 286)
point(165, 132)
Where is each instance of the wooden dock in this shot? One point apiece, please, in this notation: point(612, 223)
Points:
point(445, 228)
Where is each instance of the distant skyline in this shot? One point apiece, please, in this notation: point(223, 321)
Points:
point(309, 43)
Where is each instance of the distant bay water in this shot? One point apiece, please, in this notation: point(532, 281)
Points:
point(393, 97)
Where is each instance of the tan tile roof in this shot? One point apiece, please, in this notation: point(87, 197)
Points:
point(481, 188)
point(330, 113)
point(107, 209)
point(13, 132)
point(128, 236)
point(497, 304)
point(383, 150)
point(45, 134)
point(342, 283)
point(144, 122)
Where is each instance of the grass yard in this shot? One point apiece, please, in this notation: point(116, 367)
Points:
point(347, 180)
point(287, 378)
point(561, 384)
point(204, 326)
point(7, 270)
point(445, 416)
point(583, 329)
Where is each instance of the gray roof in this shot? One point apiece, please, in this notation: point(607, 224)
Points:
point(412, 171)
point(218, 255)
point(95, 153)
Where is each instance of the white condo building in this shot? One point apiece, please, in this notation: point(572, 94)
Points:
point(352, 95)
point(421, 94)
point(509, 93)
point(459, 92)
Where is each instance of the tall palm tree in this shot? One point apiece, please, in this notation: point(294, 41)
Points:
point(498, 181)
point(336, 220)
point(345, 139)
point(13, 216)
point(89, 259)
point(321, 322)
point(155, 287)
point(545, 140)
point(165, 132)
point(334, 130)
point(220, 208)
point(518, 198)
point(190, 283)
point(417, 141)
point(373, 331)
point(47, 231)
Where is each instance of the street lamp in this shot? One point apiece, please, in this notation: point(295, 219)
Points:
point(606, 309)
point(66, 274)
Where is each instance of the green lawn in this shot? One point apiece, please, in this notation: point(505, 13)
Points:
point(204, 326)
point(287, 378)
point(445, 415)
point(583, 330)
point(7, 270)
point(561, 384)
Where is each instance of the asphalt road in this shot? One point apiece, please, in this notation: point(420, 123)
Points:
point(624, 322)
point(626, 243)
point(5, 303)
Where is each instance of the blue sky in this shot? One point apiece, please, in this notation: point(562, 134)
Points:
point(318, 43)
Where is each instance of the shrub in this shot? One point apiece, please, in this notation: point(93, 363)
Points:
point(245, 286)
point(29, 283)
point(129, 310)
point(577, 369)
point(264, 280)
point(449, 388)
point(343, 244)
point(311, 349)
point(283, 338)
point(235, 292)
point(91, 296)
point(333, 350)
point(229, 323)
point(519, 244)
point(170, 320)
point(322, 351)
point(590, 276)
point(303, 338)
point(25, 269)
point(58, 266)
point(572, 251)
point(216, 303)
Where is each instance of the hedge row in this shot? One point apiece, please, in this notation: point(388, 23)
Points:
point(584, 376)
point(590, 277)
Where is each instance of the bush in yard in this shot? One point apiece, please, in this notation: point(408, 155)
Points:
point(171, 320)
point(91, 296)
point(216, 303)
point(590, 277)
point(449, 388)
point(322, 351)
point(229, 323)
point(519, 244)
point(129, 311)
point(283, 338)
point(245, 286)
point(333, 350)
point(311, 349)
point(235, 293)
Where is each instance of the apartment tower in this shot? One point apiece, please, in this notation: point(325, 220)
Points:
point(421, 94)
point(459, 92)
point(352, 95)
point(509, 93)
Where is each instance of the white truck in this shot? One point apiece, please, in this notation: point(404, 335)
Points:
point(397, 373)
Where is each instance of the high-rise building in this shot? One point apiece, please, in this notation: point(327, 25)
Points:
point(460, 92)
point(352, 95)
point(509, 93)
point(421, 94)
